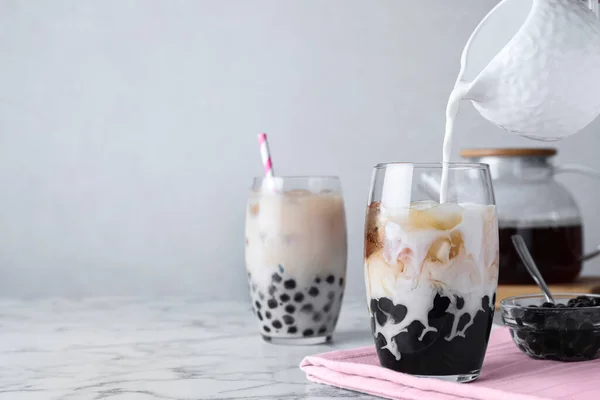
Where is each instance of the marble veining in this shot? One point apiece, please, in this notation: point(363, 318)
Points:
point(137, 349)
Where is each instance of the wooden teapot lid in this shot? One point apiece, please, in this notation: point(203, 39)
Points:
point(509, 152)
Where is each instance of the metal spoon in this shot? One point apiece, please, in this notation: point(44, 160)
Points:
point(533, 270)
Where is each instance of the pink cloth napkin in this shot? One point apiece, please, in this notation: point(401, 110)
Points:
point(507, 374)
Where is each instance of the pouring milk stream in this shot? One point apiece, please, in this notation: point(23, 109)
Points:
point(531, 68)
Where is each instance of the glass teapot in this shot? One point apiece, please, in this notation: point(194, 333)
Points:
point(532, 203)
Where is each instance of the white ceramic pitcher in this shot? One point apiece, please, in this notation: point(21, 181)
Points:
point(533, 67)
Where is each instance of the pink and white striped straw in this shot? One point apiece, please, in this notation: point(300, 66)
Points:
point(265, 154)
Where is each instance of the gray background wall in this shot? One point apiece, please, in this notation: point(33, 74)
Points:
point(128, 129)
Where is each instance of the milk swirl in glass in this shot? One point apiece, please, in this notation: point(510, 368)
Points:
point(431, 269)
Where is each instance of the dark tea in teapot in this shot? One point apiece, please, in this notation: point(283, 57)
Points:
point(557, 251)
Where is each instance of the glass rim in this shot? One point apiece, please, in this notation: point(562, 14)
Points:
point(299, 177)
point(435, 165)
point(506, 304)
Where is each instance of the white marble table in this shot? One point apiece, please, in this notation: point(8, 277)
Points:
point(169, 349)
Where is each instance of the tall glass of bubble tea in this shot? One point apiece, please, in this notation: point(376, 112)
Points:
point(296, 251)
point(431, 269)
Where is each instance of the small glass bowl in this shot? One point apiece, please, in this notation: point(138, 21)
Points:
point(562, 334)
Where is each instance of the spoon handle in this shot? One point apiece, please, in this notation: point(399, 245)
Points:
point(523, 251)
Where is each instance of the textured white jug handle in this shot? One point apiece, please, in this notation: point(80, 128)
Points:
point(582, 170)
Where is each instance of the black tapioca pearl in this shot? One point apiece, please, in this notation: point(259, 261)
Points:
point(327, 307)
point(377, 313)
point(568, 337)
point(272, 303)
point(380, 316)
point(463, 321)
point(289, 284)
point(533, 318)
point(298, 297)
point(313, 291)
point(485, 303)
point(317, 280)
point(330, 279)
point(568, 352)
point(397, 312)
point(440, 305)
point(585, 339)
point(258, 305)
point(276, 278)
point(290, 309)
point(571, 303)
point(586, 326)
point(411, 340)
point(342, 281)
point(272, 290)
point(373, 305)
point(317, 317)
point(308, 332)
point(517, 313)
point(579, 345)
point(259, 315)
point(284, 297)
point(552, 342)
point(589, 352)
point(276, 324)
point(307, 308)
point(322, 329)
point(268, 315)
point(331, 295)
point(494, 300)
point(380, 341)
point(292, 329)
point(288, 319)
point(535, 348)
point(266, 328)
point(552, 323)
point(460, 303)
point(385, 304)
point(570, 324)
point(261, 295)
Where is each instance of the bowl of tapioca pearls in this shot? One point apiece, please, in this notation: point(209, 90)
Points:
point(566, 330)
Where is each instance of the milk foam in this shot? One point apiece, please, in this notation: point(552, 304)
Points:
point(449, 249)
point(303, 232)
